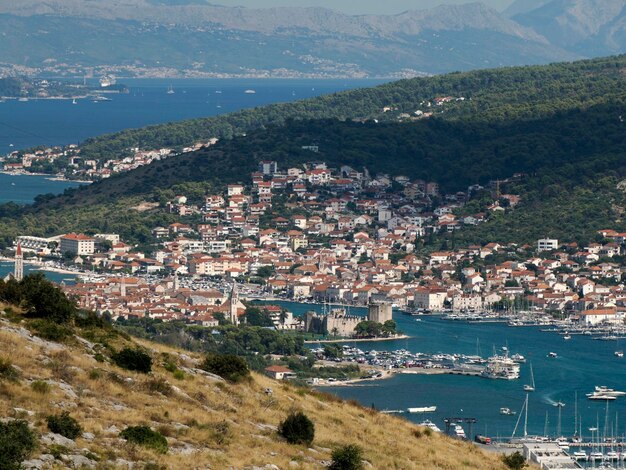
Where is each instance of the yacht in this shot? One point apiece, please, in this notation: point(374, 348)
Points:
point(580, 455)
point(459, 431)
point(518, 358)
point(619, 353)
point(430, 425)
point(506, 411)
point(600, 396)
point(552, 355)
point(567, 336)
point(596, 456)
point(501, 367)
point(250, 92)
point(612, 455)
point(422, 409)
point(603, 389)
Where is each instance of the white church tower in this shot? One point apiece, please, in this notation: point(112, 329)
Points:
point(18, 272)
point(234, 300)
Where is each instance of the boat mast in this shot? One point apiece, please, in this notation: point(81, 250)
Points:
point(526, 417)
point(545, 426)
point(524, 406)
point(576, 413)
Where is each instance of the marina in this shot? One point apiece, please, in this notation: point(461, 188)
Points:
point(582, 364)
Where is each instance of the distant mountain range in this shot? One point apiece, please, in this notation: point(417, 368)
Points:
point(196, 38)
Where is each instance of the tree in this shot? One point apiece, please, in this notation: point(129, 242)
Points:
point(265, 271)
point(17, 442)
point(40, 298)
point(333, 351)
point(389, 328)
point(256, 317)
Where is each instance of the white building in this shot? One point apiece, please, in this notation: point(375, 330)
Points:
point(77, 244)
point(547, 244)
point(595, 317)
point(429, 299)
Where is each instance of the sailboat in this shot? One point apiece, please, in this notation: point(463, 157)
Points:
point(170, 90)
point(619, 352)
point(531, 387)
point(74, 101)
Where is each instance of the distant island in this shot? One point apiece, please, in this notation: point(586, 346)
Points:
point(23, 88)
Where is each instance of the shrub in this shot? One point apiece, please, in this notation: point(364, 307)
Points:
point(50, 330)
point(133, 359)
point(146, 437)
point(64, 425)
point(159, 385)
point(99, 357)
point(17, 441)
point(221, 432)
point(179, 375)
point(40, 386)
point(348, 457)
point(515, 461)
point(229, 367)
point(7, 371)
point(297, 428)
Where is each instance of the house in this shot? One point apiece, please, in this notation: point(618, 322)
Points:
point(268, 167)
point(279, 373)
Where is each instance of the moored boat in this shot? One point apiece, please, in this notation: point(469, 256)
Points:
point(422, 409)
point(430, 425)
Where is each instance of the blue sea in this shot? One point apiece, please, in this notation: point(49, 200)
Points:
point(582, 363)
point(55, 122)
point(7, 267)
point(22, 189)
point(59, 122)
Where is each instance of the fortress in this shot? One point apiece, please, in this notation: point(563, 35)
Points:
point(340, 323)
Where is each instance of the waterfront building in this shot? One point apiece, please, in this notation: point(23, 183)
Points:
point(37, 244)
point(379, 312)
point(429, 298)
point(77, 244)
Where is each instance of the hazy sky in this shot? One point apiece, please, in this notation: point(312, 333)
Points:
point(360, 6)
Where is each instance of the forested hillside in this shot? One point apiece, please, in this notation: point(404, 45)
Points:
point(498, 94)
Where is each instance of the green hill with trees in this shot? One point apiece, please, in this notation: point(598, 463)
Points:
point(496, 94)
point(561, 126)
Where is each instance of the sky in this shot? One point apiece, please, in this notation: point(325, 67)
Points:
point(388, 7)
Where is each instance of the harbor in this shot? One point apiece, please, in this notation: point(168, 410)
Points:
point(580, 364)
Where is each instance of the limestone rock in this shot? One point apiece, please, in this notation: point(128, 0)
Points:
point(56, 439)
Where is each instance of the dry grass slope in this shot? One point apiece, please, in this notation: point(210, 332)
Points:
point(208, 423)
